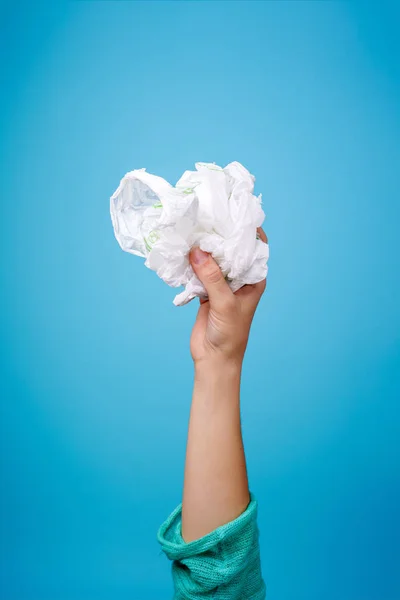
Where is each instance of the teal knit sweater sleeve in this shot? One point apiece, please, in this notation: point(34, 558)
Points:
point(222, 565)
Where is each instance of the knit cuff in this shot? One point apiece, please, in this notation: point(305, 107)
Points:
point(170, 537)
point(226, 559)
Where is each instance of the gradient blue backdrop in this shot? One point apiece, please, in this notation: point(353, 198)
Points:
point(95, 368)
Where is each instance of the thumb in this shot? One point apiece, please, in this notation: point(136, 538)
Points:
point(212, 278)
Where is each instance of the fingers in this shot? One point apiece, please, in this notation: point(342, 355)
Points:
point(210, 275)
point(250, 295)
point(262, 235)
point(218, 291)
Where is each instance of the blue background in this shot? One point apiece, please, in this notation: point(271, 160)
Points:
point(95, 367)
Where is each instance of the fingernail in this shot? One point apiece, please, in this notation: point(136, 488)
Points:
point(198, 256)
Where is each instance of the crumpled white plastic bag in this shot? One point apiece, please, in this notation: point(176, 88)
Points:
point(213, 208)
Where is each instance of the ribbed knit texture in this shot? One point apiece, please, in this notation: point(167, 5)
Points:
point(222, 565)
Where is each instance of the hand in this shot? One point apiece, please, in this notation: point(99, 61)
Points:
point(223, 322)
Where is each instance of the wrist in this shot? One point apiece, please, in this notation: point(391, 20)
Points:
point(218, 368)
point(217, 383)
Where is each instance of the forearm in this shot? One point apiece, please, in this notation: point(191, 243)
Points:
point(215, 486)
point(212, 536)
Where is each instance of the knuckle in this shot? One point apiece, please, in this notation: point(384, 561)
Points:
point(262, 286)
point(262, 234)
point(214, 274)
point(229, 304)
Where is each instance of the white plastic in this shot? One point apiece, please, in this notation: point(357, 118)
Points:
point(213, 208)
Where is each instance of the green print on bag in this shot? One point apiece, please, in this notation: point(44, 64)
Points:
point(151, 240)
point(189, 190)
point(211, 167)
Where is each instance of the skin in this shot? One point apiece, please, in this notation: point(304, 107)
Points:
point(216, 488)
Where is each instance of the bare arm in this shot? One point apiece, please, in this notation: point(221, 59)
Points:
point(216, 488)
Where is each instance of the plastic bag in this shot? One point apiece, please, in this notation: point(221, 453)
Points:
point(213, 208)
